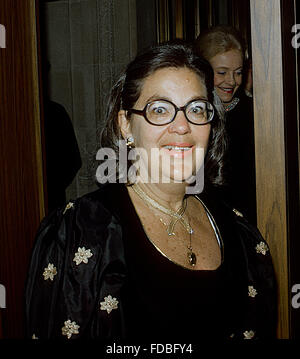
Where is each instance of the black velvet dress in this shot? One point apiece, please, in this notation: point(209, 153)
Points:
point(167, 301)
point(95, 274)
point(240, 168)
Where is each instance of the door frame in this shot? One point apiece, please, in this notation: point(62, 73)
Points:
point(276, 121)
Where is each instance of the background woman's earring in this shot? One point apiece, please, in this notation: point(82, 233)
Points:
point(130, 142)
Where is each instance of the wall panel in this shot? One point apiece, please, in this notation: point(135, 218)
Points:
point(270, 143)
point(21, 179)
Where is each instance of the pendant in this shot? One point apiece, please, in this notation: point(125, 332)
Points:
point(192, 258)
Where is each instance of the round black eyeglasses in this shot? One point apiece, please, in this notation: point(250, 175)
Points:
point(163, 112)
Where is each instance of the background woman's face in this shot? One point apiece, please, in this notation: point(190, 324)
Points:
point(228, 68)
point(177, 141)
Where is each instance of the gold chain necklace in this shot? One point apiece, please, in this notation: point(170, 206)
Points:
point(176, 216)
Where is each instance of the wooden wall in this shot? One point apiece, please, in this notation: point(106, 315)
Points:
point(270, 143)
point(21, 181)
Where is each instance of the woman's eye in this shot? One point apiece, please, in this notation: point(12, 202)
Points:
point(159, 110)
point(197, 110)
point(221, 72)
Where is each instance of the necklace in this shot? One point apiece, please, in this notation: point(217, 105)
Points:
point(232, 105)
point(176, 216)
point(192, 259)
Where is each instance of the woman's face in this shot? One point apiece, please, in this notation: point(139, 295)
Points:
point(176, 150)
point(228, 67)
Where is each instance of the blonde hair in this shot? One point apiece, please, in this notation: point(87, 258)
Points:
point(217, 40)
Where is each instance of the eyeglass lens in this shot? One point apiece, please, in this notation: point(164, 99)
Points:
point(160, 112)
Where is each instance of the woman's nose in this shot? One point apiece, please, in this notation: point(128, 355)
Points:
point(180, 124)
point(230, 79)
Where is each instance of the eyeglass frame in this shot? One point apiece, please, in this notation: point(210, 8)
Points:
point(177, 109)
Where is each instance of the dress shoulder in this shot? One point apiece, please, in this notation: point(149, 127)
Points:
point(248, 256)
point(72, 253)
point(261, 315)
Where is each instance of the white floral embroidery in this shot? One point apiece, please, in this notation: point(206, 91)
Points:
point(249, 334)
point(252, 292)
point(262, 248)
point(70, 328)
point(49, 272)
point(82, 255)
point(34, 336)
point(109, 304)
point(68, 206)
point(238, 213)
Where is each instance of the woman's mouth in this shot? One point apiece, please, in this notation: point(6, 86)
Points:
point(178, 150)
point(228, 90)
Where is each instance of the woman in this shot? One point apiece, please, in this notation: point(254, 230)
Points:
point(223, 47)
point(144, 261)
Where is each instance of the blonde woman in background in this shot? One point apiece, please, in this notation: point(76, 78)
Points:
point(223, 48)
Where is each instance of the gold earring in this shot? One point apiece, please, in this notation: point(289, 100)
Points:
point(130, 142)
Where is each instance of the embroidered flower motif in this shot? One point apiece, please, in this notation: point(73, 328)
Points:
point(252, 292)
point(249, 334)
point(238, 213)
point(262, 248)
point(68, 206)
point(109, 304)
point(82, 255)
point(49, 272)
point(70, 328)
point(34, 336)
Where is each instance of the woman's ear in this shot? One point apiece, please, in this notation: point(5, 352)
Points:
point(124, 124)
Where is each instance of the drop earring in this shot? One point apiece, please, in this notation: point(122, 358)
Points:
point(130, 142)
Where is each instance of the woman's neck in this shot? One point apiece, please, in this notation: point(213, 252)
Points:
point(169, 195)
point(225, 103)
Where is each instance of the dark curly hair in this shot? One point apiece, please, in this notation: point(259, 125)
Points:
point(127, 90)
